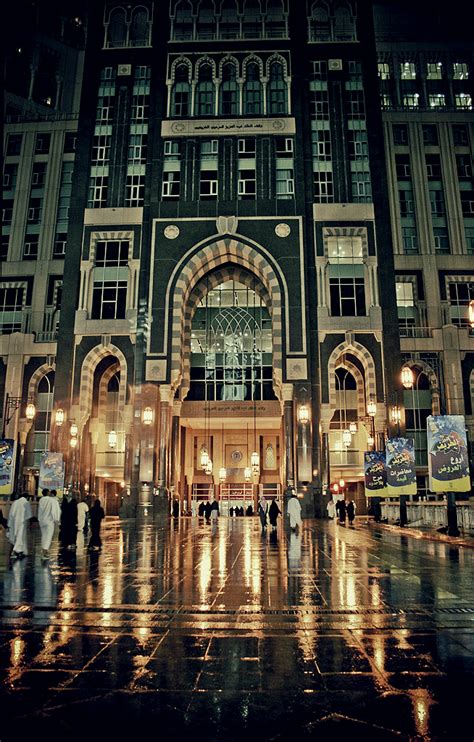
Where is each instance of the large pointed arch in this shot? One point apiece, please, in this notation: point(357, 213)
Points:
point(364, 357)
point(87, 379)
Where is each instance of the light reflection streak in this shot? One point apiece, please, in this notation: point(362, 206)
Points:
point(205, 569)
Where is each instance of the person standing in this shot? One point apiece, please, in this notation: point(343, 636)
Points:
point(331, 509)
point(342, 512)
point(175, 509)
point(82, 510)
point(262, 513)
point(207, 511)
point(351, 508)
point(49, 513)
point(273, 513)
point(18, 517)
point(294, 512)
point(96, 517)
point(214, 511)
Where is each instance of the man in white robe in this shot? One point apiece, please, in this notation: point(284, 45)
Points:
point(18, 517)
point(49, 513)
point(294, 511)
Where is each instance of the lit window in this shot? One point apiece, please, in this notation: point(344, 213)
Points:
point(463, 100)
point(434, 70)
point(460, 71)
point(383, 71)
point(408, 71)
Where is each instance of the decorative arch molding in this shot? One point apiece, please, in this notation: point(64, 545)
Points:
point(281, 60)
point(229, 59)
point(207, 260)
point(177, 63)
point(364, 356)
point(104, 382)
point(356, 373)
point(203, 61)
point(432, 378)
point(87, 379)
point(37, 376)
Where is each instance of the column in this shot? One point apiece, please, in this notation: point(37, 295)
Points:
point(174, 449)
point(160, 502)
point(289, 437)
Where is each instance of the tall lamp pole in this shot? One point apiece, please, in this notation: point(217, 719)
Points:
point(12, 404)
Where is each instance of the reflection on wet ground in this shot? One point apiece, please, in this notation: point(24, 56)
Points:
point(189, 627)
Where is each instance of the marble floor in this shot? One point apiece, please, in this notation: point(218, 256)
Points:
point(223, 633)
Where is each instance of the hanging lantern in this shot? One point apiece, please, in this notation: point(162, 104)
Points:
point(471, 313)
point(407, 377)
point(30, 411)
point(248, 474)
point(255, 460)
point(370, 441)
point(353, 427)
point(346, 437)
point(396, 415)
point(372, 408)
point(73, 442)
point(208, 469)
point(342, 483)
point(73, 430)
point(222, 474)
point(112, 439)
point(303, 414)
point(147, 416)
point(59, 417)
point(204, 458)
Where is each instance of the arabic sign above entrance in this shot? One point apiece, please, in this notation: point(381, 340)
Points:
point(231, 409)
point(205, 127)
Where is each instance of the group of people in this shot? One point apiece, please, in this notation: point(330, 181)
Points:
point(209, 510)
point(71, 516)
point(341, 510)
point(270, 512)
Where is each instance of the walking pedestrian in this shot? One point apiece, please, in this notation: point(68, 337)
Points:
point(342, 512)
point(214, 514)
point(175, 509)
point(201, 509)
point(49, 513)
point(351, 510)
point(262, 510)
point(331, 509)
point(18, 517)
point(68, 527)
point(294, 512)
point(207, 511)
point(273, 513)
point(82, 511)
point(96, 517)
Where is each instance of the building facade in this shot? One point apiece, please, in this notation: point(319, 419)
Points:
point(269, 215)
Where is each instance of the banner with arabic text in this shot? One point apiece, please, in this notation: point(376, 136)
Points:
point(375, 474)
point(401, 472)
point(448, 462)
point(51, 474)
point(7, 466)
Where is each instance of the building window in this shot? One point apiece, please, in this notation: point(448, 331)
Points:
point(30, 247)
point(361, 187)
point(59, 247)
point(383, 70)
point(460, 71)
point(105, 109)
point(229, 26)
point(98, 192)
point(469, 239)
point(438, 207)
point(247, 179)
point(323, 186)
point(5, 239)
point(460, 295)
point(460, 135)
point(38, 175)
point(411, 100)
point(356, 104)
point(171, 170)
point(100, 149)
point(467, 203)
point(358, 144)
point(400, 134)
point(111, 253)
point(10, 174)
point(228, 91)
point(408, 71)
point(405, 308)
point(285, 183)
point(205, 92)
point(321, 144)
point(70, 140)
point(437, 100)
point(14, 143)
point(137, 149)
point(464, 167)
point(11, 309)
point(206, 21)
point(277, 90)
point(441, 240)
point(180, 98)
point(433, 167)
point(109, 299)
point(252, 90)
point(35, 209)
point(183, 25)
point(402, 166)
point(409, 240)
point(463, 101)
point(434, 71)
point(7, 210)
point(430, 134)
point(346, 276)
point(135, 190)
point(140, 108)
point(42, 144)
point(171, 185)
point(347, 297)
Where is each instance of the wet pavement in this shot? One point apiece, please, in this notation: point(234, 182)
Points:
point(191, 631)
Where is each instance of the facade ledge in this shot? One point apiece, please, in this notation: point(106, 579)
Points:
point(343, 212)
point(117, 215)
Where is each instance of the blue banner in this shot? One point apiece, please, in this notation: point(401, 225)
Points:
point(7, 466)
point(448, 462)
point(51, 472)
point(375, 474)
point(401, 472)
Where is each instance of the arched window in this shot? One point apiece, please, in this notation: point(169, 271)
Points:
point(180, 96)
point(42, 421)
point(117, 31)
point(320, 29)
point(252, 90)
point(252, 20)
point(228, 92)
point(229, 23)
point(418, 406)
point(139, 34)
point(345, 447)
point(183, 27)
point(275, 24)
point(204, 105)
point(206, 20)
point(277, 90)
point(344, 28)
